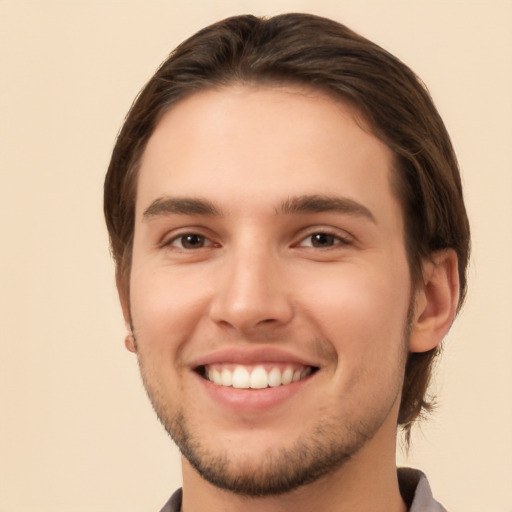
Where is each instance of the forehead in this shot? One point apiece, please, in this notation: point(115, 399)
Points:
point(249, 146)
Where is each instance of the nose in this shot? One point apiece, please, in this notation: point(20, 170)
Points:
point(252, 292)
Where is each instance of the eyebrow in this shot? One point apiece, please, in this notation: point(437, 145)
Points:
point(298, 204)
point(180, 206)
point(324, 203)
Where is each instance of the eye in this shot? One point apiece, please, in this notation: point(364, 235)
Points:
point(323, 240)
point(190, 241)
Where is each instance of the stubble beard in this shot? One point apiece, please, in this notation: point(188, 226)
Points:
point(322, 450)
point(269, 473)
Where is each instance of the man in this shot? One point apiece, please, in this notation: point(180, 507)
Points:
point(286, 216)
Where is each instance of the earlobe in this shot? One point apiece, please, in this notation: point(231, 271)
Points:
point(435, 301)
point(129, 340)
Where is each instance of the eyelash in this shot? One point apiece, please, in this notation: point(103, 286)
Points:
point(336, 240)
point(181, 237)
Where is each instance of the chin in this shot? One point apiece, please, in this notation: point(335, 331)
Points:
point(273, 470)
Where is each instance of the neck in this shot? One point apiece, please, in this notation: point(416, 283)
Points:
point(367, 482)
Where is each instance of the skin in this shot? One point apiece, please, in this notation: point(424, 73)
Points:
point(257, 283)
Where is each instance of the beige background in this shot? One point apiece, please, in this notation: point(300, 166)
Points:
point(76, 431)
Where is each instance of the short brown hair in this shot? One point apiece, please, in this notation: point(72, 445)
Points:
point(319, 53)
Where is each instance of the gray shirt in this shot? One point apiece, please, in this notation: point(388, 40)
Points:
point(414, 489)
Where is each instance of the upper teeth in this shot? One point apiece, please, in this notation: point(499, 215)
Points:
point(257, 377)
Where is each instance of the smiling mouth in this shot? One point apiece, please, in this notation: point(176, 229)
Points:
point(255, 376)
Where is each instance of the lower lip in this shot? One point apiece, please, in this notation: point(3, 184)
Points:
point(253, 400)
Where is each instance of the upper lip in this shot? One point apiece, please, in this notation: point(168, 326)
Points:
point(252, 356)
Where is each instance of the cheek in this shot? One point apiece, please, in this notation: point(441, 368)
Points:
point(165, 306)
point(361, 312)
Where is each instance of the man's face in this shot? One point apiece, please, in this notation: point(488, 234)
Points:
point(270, 288)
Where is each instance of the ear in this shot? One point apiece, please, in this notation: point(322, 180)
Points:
point(436, 301)
point(124, 299)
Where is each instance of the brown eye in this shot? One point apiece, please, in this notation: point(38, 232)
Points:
point(322, 240)
point(190, 241)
